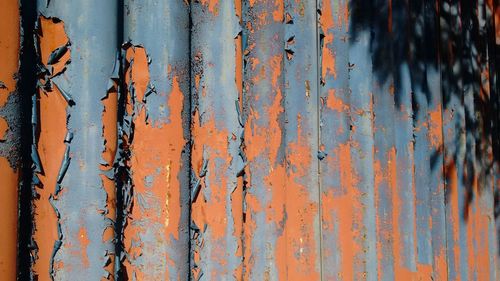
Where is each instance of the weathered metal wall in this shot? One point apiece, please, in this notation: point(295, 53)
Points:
point(249, 140)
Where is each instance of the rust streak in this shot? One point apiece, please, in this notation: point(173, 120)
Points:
point(50, 146)
point(155, 165)
point(347, 211)
point(400, 271)
point(109, 134)
point(84, 242)
point(301, 211)
point(328, 57)
point(51, 150)
point(452, 186)
point(8, 220)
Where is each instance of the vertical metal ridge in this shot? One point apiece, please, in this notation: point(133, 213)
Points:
point(27, 84)
point(441, 156)
point(156, 237)
point(318, 125)
point(264, 145)
point(301, 138)
point(216, 142)
point(190, 164)
point(80, 225)
point(10, 135)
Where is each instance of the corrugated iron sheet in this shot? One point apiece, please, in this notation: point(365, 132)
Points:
point(249, 140)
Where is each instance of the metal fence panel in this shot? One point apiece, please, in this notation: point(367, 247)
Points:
point(249, 140)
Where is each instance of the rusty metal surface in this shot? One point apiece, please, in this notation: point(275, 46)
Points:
point(216, 138)
point(156, 131)
point(264, 121)
point(10, 124)
point(74, 204)
point(250, 140)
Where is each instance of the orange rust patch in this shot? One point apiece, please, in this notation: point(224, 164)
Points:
point(8, 220)
point(214, 142)
point(109, 134)
point(346, 206)
point(9, 176)
point(328, 60)
point(51, 37)
point(335, 103)
point(109, 128)
point(213, 6)
point(326, 19)
point(9, 44)
point(109, 186)
point(237, 212)
point(483, 249)
point(452, 180)
point(424, 272)
point(3, 128)
point(238, 9)
point(435, 128)
point(109, 232)
point(50, 146)
point(278, 11)
point(401, 272)
point(51, 151)
point(301, 211)
point(328, 23)
point(84, 242)
point(338, 18)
